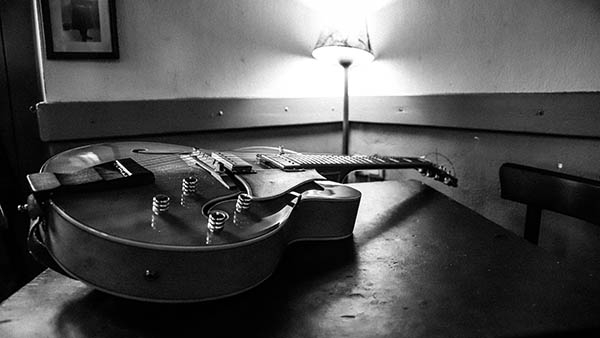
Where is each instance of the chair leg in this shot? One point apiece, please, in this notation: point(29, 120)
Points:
point(532, 224)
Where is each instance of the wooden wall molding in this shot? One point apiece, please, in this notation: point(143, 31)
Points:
point(59, 121)
point(568, 114)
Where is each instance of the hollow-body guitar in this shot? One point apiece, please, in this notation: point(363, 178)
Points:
point(171, 223)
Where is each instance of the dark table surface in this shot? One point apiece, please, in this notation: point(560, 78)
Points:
point(419, 265)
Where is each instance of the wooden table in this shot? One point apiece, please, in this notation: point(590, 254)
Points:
point(419, 265)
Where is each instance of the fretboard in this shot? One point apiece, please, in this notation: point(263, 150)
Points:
point(354, 162)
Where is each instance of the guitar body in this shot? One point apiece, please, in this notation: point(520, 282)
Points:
point(117, 240)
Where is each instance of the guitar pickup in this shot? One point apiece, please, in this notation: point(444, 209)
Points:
point(232, 163)
point(278, 161)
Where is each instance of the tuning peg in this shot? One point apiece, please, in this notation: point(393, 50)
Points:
point(22, 208)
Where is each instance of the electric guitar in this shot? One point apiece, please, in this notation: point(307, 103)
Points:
point(171, 223)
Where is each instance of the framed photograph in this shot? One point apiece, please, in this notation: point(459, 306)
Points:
point(80, 29)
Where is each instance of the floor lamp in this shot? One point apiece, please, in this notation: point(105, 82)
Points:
point(346, 47)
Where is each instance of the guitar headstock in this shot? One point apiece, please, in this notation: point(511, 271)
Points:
point(439, 173)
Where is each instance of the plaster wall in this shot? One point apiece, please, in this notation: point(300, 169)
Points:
point(262, 48)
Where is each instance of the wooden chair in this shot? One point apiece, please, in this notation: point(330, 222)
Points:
point(542, 189)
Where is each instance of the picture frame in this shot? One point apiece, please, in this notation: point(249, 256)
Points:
point(80, 29)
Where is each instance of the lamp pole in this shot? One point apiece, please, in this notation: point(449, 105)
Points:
point(345, 114)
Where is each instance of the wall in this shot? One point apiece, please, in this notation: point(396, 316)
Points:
point(191, 48)
point(457, 46)
point(250, 48)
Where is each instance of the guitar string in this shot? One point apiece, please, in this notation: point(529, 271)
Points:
point(164, 161)
point(160, 160)
point(157, 161)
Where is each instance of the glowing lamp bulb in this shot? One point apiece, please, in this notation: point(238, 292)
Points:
point(346, 45)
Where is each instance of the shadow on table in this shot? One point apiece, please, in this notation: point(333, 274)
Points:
point(264, 310)
point(393, 216)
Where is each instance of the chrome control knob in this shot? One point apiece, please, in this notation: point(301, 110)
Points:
point(160, 204)
point(188, 185)
point(243, 202)
point(216, 220)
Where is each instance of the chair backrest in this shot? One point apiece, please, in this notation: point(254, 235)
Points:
point(542, 189)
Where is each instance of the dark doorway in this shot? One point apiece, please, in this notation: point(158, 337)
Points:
point(20, 146)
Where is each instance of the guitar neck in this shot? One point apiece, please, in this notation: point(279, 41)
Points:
point(347, 163)
point(340, 162)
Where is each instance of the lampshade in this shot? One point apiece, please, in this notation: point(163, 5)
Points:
point(344, 46)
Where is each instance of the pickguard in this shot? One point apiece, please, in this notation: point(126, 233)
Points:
point(270, 183)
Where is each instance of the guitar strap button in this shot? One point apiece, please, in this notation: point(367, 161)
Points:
point(151, 275)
